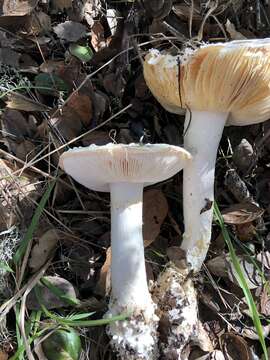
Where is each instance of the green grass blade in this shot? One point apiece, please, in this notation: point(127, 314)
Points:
point(4, 266)
point(241, 280)
point(29, 234)
point(65, 321)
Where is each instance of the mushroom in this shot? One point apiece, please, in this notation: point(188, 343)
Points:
point(124, 170)
point(219, 84)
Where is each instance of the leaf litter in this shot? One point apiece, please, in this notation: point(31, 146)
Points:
point(71, 75)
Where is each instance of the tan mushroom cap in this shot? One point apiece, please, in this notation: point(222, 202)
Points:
point(98, 166)
point(229, 77)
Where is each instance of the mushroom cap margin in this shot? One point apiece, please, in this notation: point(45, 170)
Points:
point(96, 167)
point(231, 77)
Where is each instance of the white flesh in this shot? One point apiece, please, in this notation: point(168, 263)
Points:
point(135, 338)
point(203, 133)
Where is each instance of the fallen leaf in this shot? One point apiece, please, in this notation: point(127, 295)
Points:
point(265, 300)
point(249, 270)
point(24, 150)
point(242, 213)
point(3, 355)
point(235, 35)
point(83, 106)
point(114, 83)
point(28, 64)
point(49, 299)
point(14, 192)
point(15, 126)
point(18, 7)
point(43, 249)
point(222, 266)
point(104, 283)
point(264, 258)
point(91, 10)
point(97, 36)
point(218, 266)
point(246, 231)
point(101, 103)
point(50, 84)
point(70, 31)
point(113, 17)
point(61, 5)
point(9, 57)
point(51, 66)
point(67, 123)
point(155, 210)
point(237, 186)
point(83, 53)
point(38, 23)
point(214, 355)
point(235, 347)
point(20, 102)
point(243, 155)
point(250, 332)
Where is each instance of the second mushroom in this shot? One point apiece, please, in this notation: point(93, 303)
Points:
point(218, 84)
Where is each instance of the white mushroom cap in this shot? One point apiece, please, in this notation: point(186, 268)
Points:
point(231, 77)
point(96, 167)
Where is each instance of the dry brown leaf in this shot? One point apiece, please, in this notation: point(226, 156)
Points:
point(51, 66)
point(82, 104)
point(265, 300)
point(15, 126)
point(43, 249)
point(241, 213)
point(246, 231)
point(218, 266)
point(67, 124)
point(221, 266)
point(24, 150)
point(235, 347)
point(155, 210)
point(97, 36)
point(103, 284)
point(18, 7)
point(3, 355)
point(38, 23)
point(21, 102)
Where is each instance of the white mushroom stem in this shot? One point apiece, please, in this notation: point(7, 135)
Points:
point(203, 133)
point(129, 282)
point(135, 338)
